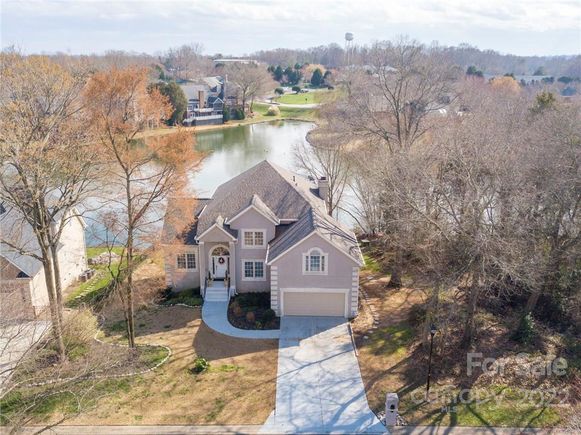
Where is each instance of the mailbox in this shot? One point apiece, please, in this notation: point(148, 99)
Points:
point(391, 402)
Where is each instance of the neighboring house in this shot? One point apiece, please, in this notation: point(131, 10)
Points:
point(266, 230)
point(23, 287)
point(205, 101)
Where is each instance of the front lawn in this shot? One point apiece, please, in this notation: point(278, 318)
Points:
point(237, 388)
point(252, 311)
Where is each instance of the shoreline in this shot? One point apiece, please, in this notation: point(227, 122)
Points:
point(230, 124)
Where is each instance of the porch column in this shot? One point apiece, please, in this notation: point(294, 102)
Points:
point(202, 264)
point(232, 249)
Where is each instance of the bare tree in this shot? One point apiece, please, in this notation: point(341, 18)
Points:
point(326, 154)
point(142, 172)
point(391, 108)
point(251, 80)
point(47, 163)
point(186, 62)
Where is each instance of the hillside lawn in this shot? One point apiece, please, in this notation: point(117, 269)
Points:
point(392, 359)
point(238, 388)
point(312, 97)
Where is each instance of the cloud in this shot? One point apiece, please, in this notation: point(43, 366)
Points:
point(247, 25)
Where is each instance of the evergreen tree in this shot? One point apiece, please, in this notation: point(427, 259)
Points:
point(317, 77)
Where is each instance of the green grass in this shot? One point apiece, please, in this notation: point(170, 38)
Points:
point(313, 97)
point(392, 340)
point(491, 406)
point(285, 112)
point(41, 403)
point(91, 290)
point(189, 297)
point(152, 355)
point(96, 250)
point(371, 264)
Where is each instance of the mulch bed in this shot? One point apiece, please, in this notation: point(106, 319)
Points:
point(252, 311)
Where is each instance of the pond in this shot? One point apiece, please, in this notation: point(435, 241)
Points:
point(229, 152)
point(236, 149)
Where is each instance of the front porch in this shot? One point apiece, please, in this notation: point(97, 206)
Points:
point(217, 270)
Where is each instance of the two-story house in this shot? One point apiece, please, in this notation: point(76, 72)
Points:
point(266, 230)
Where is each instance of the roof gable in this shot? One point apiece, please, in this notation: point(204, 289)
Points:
point(261, 208)
point(313, 223)
point(286, 195)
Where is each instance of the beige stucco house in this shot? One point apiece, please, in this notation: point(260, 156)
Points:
point(266, 230)
point(22, 282)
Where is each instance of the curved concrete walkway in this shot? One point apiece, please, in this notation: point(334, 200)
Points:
point(215, 315)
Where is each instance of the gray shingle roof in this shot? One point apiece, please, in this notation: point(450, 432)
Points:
point(279, 194)
point(313, 221)
point(286, 194)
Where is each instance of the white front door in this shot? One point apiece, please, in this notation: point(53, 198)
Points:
point(220, 266)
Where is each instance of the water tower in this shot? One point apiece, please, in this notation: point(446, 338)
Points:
point(348, 48)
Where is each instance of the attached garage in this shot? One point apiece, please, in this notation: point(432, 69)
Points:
point(314, 302)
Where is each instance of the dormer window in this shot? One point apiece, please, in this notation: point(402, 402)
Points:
point(315, 262)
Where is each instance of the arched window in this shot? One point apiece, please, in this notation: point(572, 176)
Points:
point(315, 262)
point(220, 251)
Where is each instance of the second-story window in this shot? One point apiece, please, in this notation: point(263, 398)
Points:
point(254, 239)
point(315, 262)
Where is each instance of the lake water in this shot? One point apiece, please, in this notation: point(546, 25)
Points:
point(233, 150)
point(229, 152)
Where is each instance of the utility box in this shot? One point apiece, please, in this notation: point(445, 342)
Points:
point(391, 402)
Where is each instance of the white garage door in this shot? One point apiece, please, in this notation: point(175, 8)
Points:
point(313, 303)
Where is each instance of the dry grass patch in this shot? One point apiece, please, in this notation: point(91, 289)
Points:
point(239, 387)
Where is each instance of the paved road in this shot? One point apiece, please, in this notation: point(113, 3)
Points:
point(15, 341)
point(215, 315)
point(319, 387)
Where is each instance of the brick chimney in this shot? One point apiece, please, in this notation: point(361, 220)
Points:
point(201, 99)
point(323, 188)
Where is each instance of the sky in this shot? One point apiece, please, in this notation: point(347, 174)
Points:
point(237, 27)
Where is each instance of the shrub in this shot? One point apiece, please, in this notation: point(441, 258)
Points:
point(226, 115)
point(240, 114)
point(258, 325)
point(236, 309)
point(268, 316)
point(200, 365)
point(79, 330)
point(273, 111)
point(250, 317)
point(525, 332)
point(279, 91)
point(296, 89)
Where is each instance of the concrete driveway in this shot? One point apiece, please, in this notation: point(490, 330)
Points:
point(319, 387)
point(15, 341)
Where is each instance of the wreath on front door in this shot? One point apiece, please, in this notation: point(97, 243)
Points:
point(221, 260)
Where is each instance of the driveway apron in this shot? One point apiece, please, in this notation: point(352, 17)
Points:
point(319, 387)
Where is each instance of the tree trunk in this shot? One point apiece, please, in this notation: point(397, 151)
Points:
point(130, 317)
point(550, 280)
point(57, 329)
point(469, 327)
point(57, 280)
point(396, 272)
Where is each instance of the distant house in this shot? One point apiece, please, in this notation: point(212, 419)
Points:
point(23, 288)
point(205, 101)
point(266, 230)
